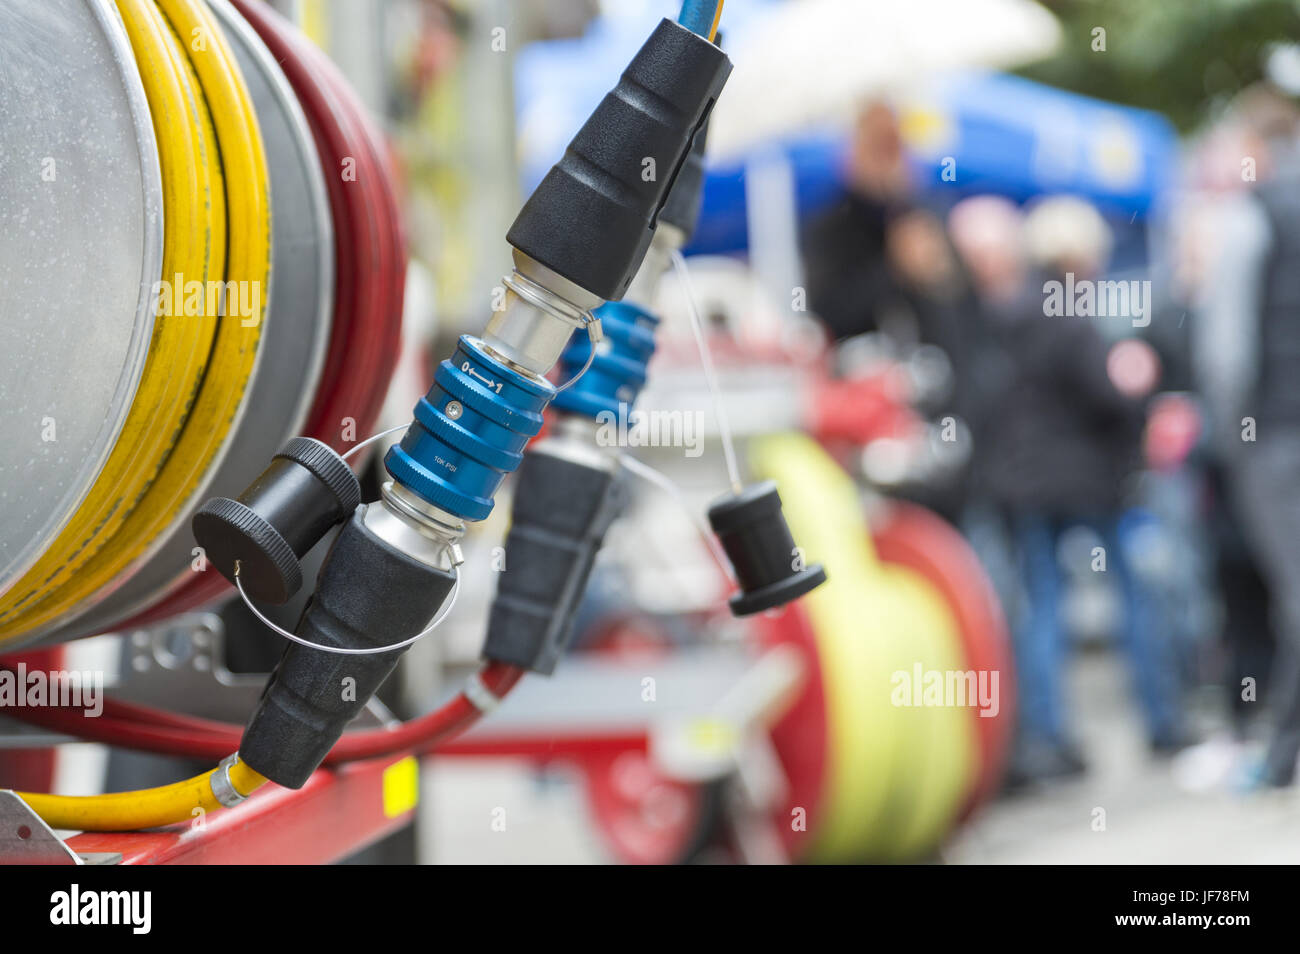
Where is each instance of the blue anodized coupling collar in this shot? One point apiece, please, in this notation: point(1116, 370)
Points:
point(618, 370)
point(470, 430)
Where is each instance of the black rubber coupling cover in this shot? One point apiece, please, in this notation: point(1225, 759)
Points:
point(593, 215)
point(369, 594)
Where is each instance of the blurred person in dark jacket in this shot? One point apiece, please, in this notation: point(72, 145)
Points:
point(850, 277)
point(879, 261)
point(878, 252)
point(1056, 434)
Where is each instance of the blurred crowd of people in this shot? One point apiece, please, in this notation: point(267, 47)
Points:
point(1089, 421)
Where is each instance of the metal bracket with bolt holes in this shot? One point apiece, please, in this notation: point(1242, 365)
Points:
point(25, 839)
point(179, 665)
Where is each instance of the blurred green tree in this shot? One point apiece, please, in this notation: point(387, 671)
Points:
point(1184, 58)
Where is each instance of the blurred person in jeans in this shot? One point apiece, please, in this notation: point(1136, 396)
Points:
point(1247, 354)
point(1057, 432)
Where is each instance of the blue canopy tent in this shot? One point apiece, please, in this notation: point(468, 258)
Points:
point(989, 133)
point(967, 133)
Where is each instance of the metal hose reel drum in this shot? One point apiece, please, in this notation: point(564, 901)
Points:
point(81, 225)
point(200, 360)
point(170, 162)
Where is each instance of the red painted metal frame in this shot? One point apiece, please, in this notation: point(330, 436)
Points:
point(644, 816)
point(337, 812)
point(31, 770)
point(545, 748)
point(334, 815)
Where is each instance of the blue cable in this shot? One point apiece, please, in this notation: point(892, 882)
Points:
point(697, 16)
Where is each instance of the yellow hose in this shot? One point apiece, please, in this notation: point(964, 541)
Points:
point(176, 42)
point(894, 775)
point(248, 207)
point(147, 808)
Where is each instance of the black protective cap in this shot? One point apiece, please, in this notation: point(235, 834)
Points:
point(761, 549)
point(591, 219)
point(306, 490)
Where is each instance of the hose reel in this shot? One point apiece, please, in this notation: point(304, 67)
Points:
point(266, 304)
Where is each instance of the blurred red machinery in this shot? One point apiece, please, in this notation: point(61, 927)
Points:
point(649, 812)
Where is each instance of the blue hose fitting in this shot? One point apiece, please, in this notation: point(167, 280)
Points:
point(470, 430)
point(618, 371)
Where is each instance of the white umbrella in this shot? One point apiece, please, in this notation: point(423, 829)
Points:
point(811, 61)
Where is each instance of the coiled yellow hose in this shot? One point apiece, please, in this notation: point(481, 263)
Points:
point(895, 776)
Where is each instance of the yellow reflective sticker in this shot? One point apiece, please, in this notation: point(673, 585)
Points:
point(401, 787)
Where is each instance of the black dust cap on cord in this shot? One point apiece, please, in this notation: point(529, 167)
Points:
point(591, 219)
point(758, 542)
point(305, 491)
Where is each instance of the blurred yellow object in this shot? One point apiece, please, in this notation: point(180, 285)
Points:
point(927, 129)
point(712, 737)
point(313, 20)
point(895, 775)
point(401, 785)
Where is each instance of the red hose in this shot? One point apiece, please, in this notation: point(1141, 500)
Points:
point(124, 733)
point(144, 729)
